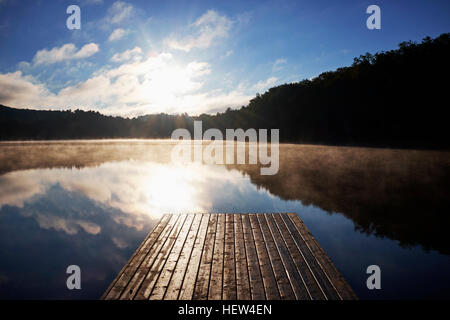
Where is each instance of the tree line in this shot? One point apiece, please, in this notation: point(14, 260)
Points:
point(393, 98)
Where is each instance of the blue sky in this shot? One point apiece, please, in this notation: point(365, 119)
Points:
point(140, 57)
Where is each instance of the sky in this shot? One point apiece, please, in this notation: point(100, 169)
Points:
point(131, 58)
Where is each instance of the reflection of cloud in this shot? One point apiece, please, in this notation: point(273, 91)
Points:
point(68, 225)
point(140, 190)
point(15, 191)
point(120, 243)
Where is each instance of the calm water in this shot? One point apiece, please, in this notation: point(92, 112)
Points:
point(92, 203)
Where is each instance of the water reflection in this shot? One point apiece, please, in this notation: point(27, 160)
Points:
point(399, 194)
point(92, 203)
point(139, 189)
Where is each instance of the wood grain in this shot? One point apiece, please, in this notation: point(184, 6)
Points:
point(229, 257)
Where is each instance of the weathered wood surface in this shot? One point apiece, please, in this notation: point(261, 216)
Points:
point(230, 257)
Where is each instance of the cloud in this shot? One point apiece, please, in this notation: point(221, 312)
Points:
point(279, 64)
point(262, 86)
point(64, 53)
point(23, 65)
point(228, 53)
point(209, 27)
point(68, 225)
point(156, 83)
point(117, 34)
point(135, 54)
point(22, 91)
point(215, 101)
point(119, 12)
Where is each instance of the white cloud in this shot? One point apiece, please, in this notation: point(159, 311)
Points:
point(228, 53)
point(215, 101)
point(209, 27)
point(279, 64)
point(155, 84)
point(21, 91)
point(135, 54)
point(23, 65)
point(117, 34)
point(139, 86)
point(137, 82)
point(262, 86)
point(63, 53)
point(119, 12)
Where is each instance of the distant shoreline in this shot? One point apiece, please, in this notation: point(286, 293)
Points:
point(106, 140)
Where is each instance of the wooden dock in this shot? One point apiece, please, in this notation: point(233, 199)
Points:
point(229, 257)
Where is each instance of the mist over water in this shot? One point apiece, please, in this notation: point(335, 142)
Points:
point(91, 203)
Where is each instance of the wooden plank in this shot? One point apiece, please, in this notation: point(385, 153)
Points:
point(179, 272)
point(143, 246)
point(279, 270)
point(135, 279)
point(202, 283)
point(229, 265)
point(312, 263)
point(308, 287)
point(143, 251)
point(334, 276)
point(166, 272)
point(229, 256)
point(295, 278)
point(216, 278)
point(118, 286)
point(187, 288)
point(155, 267)
point(242, 280)
point(254, 272)
point(270, 284)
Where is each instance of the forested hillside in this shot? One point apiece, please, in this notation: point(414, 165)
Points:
point(396, 98)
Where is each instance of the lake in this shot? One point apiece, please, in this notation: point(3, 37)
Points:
point(91, 203)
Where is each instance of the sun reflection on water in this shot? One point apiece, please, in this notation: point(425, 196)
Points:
point(142, 190)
